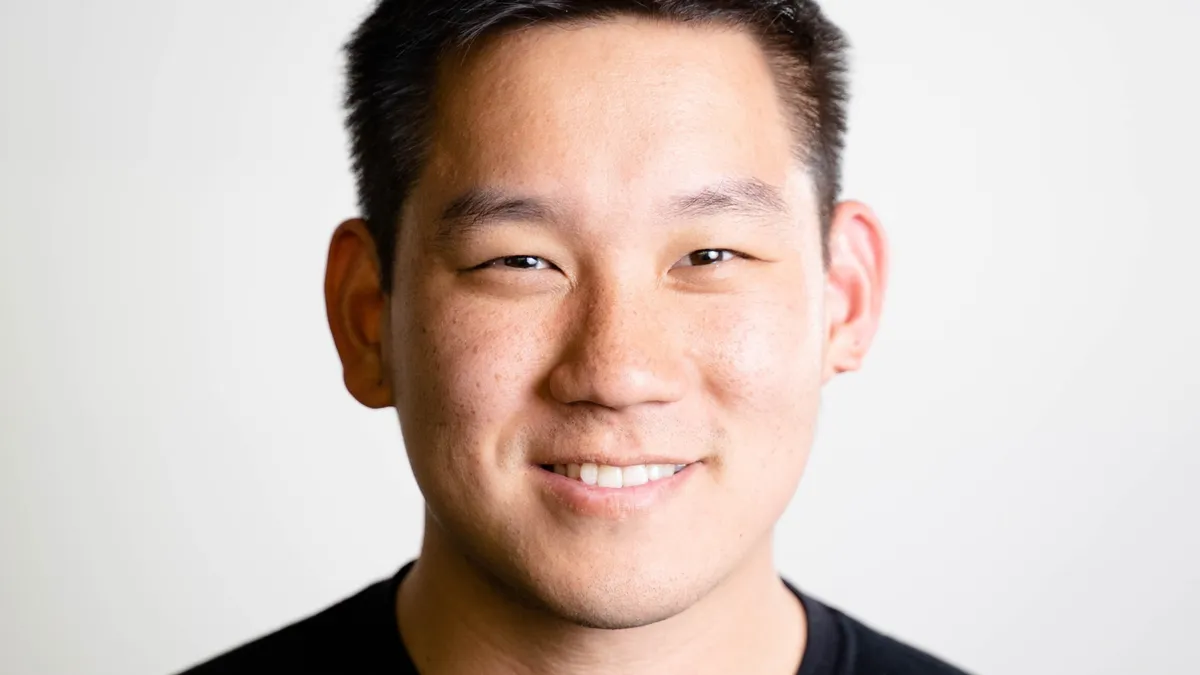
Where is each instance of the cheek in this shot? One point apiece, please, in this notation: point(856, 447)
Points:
point(764, 358)
point(762, 375)
point(463, 369)
point(760, 369)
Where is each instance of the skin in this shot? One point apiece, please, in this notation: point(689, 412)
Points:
point(607, 333)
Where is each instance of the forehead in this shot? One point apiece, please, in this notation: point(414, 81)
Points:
point(619, 114)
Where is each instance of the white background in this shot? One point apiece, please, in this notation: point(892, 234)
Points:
point(1010, 483)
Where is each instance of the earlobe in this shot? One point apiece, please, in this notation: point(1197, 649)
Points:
point(355, 306)
point(855, 283)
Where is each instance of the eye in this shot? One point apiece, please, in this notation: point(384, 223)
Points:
point(707, 256)
point(519, 262)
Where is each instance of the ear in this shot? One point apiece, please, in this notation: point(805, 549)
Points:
point(354, 303)
point(854, 289)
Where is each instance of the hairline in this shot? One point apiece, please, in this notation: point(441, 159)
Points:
point(800, 106)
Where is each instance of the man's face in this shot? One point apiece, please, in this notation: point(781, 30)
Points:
point(612, 258)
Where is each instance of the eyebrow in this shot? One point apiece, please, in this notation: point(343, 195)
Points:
point(482, 206)
point(479, 207)
point(734, 196)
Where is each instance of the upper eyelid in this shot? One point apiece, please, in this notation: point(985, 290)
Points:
point(499, 262)
point(735, 254)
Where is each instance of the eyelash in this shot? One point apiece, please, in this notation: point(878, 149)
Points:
point(719, 251)
point(504, 262)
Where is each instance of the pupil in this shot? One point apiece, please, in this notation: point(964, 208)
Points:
point(522, 261)
point(706, 256)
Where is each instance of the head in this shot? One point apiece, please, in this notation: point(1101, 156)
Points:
point(602, 232)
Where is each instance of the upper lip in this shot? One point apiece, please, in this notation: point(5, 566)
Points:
point(612, 459)
point(610, 444)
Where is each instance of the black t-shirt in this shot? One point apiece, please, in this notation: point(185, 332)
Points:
point(359, 636)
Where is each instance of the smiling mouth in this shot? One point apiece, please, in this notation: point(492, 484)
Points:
point(605, 476)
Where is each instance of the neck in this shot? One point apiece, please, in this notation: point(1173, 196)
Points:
point(454, 620)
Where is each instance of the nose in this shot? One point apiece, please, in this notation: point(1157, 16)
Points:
point(621, 351)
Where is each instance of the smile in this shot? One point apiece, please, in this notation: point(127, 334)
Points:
point(605, 476)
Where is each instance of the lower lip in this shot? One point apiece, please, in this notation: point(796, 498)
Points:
point(617, 503)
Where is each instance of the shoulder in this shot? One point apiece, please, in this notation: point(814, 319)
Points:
point(850, 647)
point(354, 635)
point(879, 653)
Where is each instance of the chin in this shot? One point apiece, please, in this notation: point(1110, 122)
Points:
point(609, 594)
point(616, 605)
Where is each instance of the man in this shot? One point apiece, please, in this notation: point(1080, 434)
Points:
point(602, 277)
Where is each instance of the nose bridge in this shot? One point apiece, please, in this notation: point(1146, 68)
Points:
point(621, 350)
point(616, 327)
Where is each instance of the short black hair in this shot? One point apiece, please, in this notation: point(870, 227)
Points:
point(394, 54)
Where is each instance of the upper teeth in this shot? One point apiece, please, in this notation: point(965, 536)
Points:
point(606, 476)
